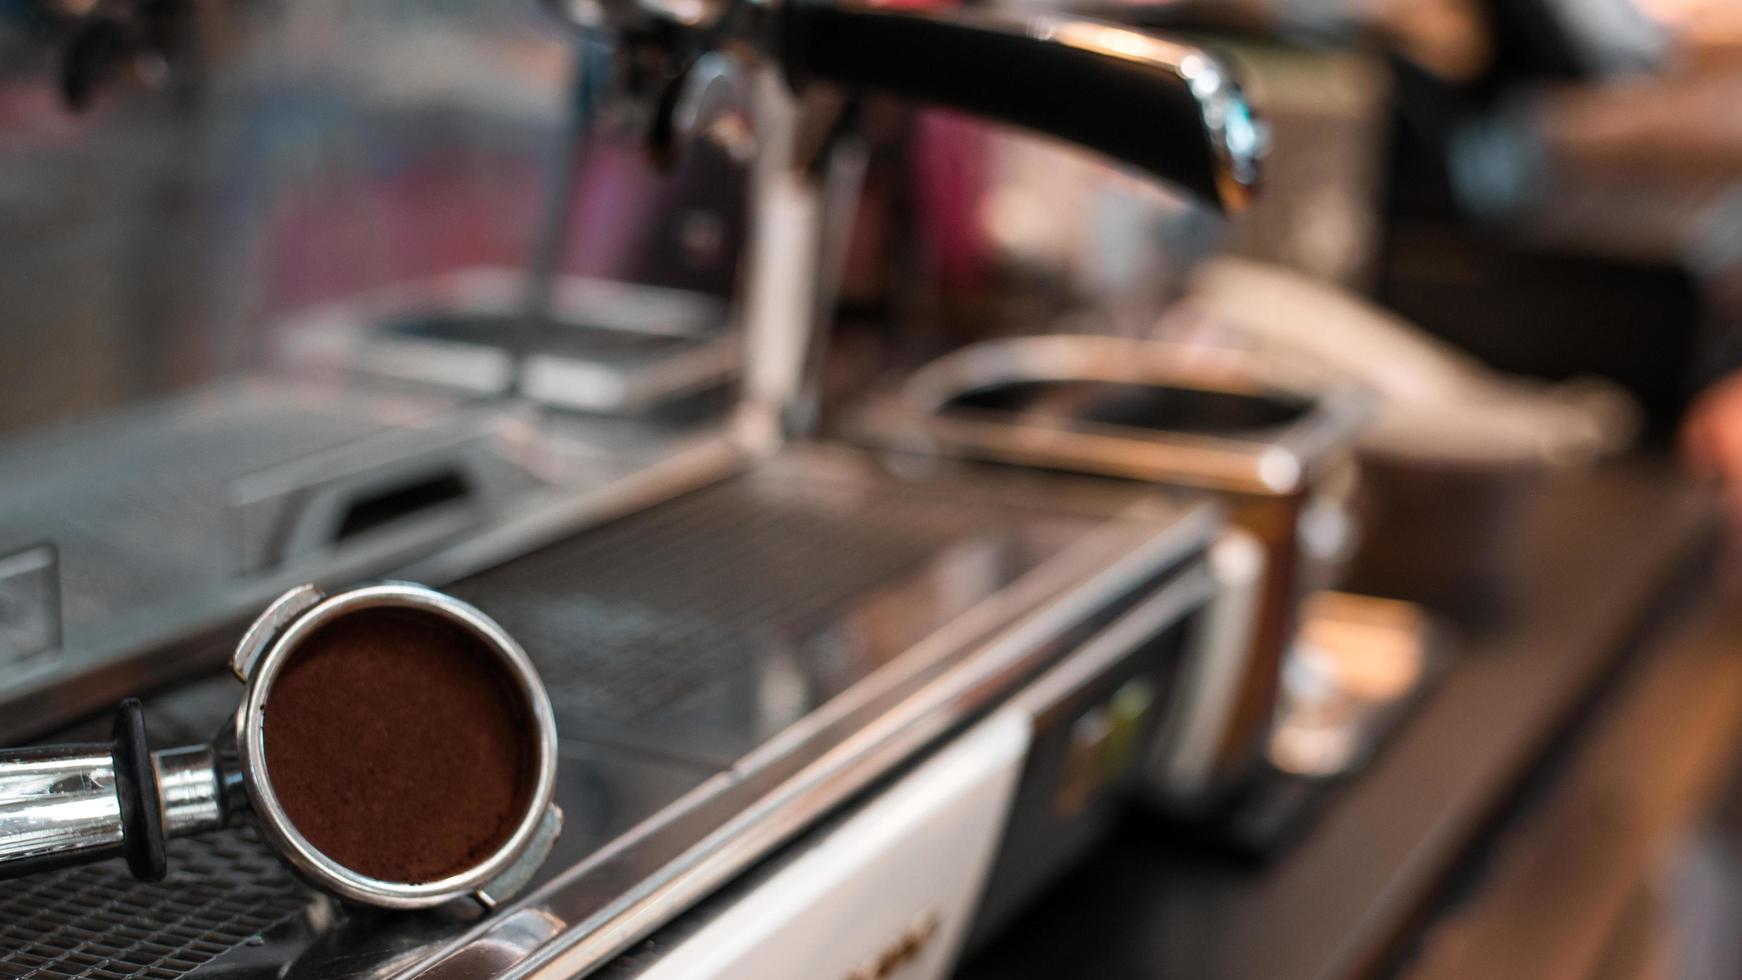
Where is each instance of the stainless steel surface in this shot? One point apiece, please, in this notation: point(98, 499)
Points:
point(632, 382)
point(1135, 642)
point(1093, 718)
point(230, 905)
point(898, 705)
point(261, 634)
point(1194, 126)
point(595, 345)
point(280, 831)
point(1219, 419)
point(190, 790)
point(63, 801)
point(968, 588)
point(1310, 435)
point(57, 800)
point(1062, 403)
point(137, 504)
point(517, 875)
point(224, 893)
point(29, 603)
point(335, 213)
point(787, 36)
point(432, 483)
point(711, 625)
point(62, 804)
point(145, 510)
point(166, 234)
point(1185, 758)
point(164, 594)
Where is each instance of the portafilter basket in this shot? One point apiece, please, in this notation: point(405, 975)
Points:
point(76, 803)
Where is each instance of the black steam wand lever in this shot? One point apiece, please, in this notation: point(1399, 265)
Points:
point(1171, 109)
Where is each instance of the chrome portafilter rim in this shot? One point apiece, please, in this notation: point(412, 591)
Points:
point(80, 802)
point(263, 654)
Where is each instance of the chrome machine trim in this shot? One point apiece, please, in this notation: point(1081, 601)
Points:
point(601, 907)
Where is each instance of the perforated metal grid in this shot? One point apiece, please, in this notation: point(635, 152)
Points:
point(638, 614)
point(621, 620)
point(98, 922)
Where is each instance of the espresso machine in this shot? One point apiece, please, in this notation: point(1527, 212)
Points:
point(815, 710)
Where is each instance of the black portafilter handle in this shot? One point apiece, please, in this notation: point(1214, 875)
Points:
point(76, 803)
point(1167, 108)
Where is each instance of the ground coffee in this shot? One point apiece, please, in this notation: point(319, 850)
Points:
point(397, 745)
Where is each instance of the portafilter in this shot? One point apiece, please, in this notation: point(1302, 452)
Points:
point(393, 744)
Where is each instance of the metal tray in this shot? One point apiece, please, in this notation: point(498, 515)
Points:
point(728, 667)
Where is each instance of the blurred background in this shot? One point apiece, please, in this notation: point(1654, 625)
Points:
point(328, 290)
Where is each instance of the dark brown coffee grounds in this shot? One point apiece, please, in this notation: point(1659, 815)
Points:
point(397, 746)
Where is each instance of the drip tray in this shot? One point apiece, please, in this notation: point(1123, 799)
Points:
point(699, 653)
point(703, 628)
point(223, 891)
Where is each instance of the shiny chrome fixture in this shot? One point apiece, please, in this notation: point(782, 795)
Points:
point(1171, 109)
point(69, 804)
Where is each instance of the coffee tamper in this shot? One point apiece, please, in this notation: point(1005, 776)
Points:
point(76, 803)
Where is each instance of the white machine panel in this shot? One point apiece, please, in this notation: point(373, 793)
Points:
point(889, 893)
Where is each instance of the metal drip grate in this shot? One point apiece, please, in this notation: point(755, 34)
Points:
point(99, 922)
point(623, 659)
point(623, 620)
point(638, 614)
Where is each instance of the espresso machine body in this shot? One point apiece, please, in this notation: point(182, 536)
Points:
point(183, 440)
point(1276, 453)
point(725, 685)
point(705, 720)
